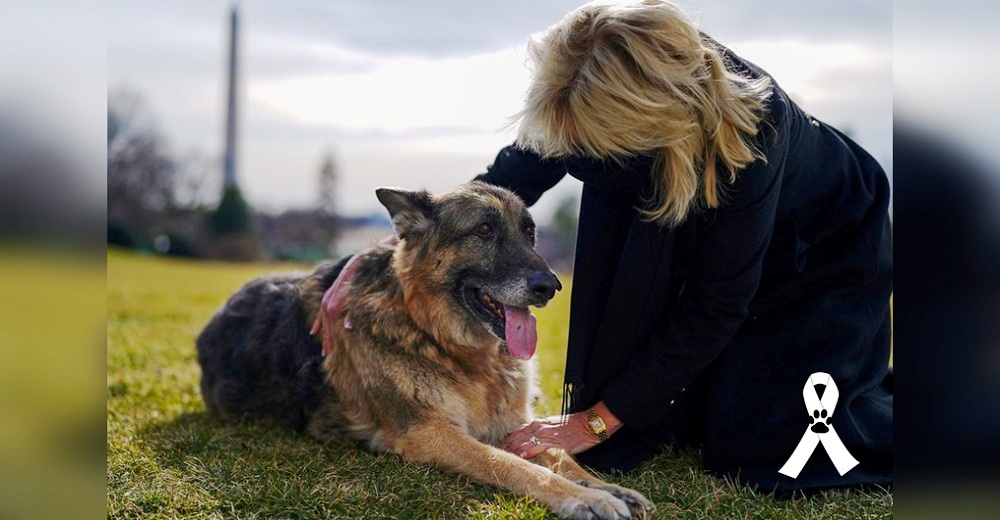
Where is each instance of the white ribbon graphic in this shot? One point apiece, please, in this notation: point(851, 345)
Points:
point(821, 410)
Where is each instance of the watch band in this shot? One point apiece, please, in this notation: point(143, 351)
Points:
point(596, 424)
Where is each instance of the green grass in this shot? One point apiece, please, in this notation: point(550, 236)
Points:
point(168, 458)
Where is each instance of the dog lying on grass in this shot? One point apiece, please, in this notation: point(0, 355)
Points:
point(430, 359)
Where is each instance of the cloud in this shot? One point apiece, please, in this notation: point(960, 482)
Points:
point(395, 94)
point(848, 85)
point(402, 28)
point(867, 22)
point(451, 28)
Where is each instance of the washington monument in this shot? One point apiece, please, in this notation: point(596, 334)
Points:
point(229, 161)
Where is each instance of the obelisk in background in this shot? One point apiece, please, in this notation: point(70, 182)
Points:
point(229, 161)
point(231, 224)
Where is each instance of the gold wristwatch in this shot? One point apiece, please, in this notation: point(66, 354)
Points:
point(596, 425)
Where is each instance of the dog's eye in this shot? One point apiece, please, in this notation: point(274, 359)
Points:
point(484, 229)
point(530, 231)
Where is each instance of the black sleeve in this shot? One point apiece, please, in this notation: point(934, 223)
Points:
point(523, 172)
point(725, 272)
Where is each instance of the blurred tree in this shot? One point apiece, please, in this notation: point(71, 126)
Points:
point(154, 200)
point(197, 181)
point(313, 233)
point(233, 214)
point(328, 185)
point(232, 229)
point(140, 174)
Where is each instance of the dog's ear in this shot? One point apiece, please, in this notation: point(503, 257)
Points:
point(411, 211)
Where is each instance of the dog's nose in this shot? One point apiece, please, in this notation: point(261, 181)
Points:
point(544, 284)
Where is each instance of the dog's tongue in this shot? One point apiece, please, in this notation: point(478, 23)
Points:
point(522, 336)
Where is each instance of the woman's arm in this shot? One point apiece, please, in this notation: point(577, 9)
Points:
point(523, 172)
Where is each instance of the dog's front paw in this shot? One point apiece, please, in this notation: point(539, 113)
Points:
point(594, 504)
point(638, 504)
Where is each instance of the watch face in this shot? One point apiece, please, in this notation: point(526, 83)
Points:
point(597, 424)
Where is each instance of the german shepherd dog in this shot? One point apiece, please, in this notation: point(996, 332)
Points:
point(429, 360)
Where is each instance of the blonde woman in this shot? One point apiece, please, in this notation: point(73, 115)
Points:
point(730, 246)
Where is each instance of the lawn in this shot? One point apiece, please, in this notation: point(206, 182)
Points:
point(168, 458)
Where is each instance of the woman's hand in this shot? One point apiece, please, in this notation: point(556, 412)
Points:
point(332, 308)
point(567, 432)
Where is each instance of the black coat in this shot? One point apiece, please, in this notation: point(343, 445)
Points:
point(706, 333)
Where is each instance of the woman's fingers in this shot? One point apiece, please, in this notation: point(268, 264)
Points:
point(317, 323)
point(333, 299)
point(571, 436)
point(521, 435)
point(332, 306)
point(530, 451)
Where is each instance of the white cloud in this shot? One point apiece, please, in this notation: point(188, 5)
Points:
point(802, 68)
point(399, 94)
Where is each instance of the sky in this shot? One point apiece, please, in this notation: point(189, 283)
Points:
point(418, 94)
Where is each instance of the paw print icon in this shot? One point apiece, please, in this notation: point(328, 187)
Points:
point(820, 421)
point(820, 431)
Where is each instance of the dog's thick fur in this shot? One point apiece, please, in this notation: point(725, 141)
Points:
point(421, 371)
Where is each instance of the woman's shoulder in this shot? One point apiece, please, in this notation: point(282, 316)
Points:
point(778, 105)
point(772, 143)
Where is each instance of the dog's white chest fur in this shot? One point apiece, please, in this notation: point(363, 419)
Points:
point(490, 409)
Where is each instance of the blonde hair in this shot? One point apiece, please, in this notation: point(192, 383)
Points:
point(612, 81)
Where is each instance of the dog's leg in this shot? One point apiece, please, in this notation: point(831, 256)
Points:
point(440, 443)
point(563, 464)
